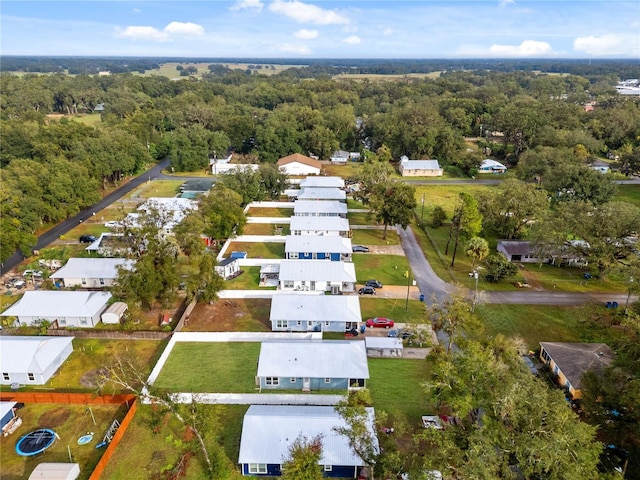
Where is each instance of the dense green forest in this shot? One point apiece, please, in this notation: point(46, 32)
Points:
point(52, 168)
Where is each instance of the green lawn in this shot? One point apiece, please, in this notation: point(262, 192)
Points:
point(248, 280)
point(393, 308)
point(269, 212)
point(158, 188)
point(374, 237)
point(387, 269)
point(353, 204)
point(445, 196)
point(628, 193)
point(395, 388)
point(258, 250)
point(146, 449)
point(211, 367)
point(264, 229)
point(541, 323)
point(360, 218)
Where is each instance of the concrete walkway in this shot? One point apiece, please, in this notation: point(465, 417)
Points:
point(258, 398)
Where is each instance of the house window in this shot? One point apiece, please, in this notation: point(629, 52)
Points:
point(293, 255)
point(546, 356)
point(328, 468)
point(292, 380)
point(84, 281)
point(258, 468)
point(272, 381)
point(83, 321)
point(288, 284)
point(297, 232)
point(281, 324)
point(299, 323)
point(62, 321)
point(102, 281)
point(6, 377)
point(31, 377)
point(327, 324)
point(327, 380)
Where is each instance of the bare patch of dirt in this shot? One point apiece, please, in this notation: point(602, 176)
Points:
point(230, 315)
point(54, 418)
point(93, 377)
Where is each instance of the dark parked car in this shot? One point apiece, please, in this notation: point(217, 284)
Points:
point(379, 322)
point(367, 291)
point(403, 334)
point(352, 331)
point(373, 283)
point(87, 239)
point(359, 249)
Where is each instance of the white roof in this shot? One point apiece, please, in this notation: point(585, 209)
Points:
point(317, 243)
point(316, 308)
point(488, 163)
point(323, 182)
point(312, 206)
point(51, 303)
point(322, 193)
point(5, 407)
point(320, 270)
point(420, 164)
point(313, 358)
point(383, 342)
point(337, 224)
point(55, 471)
point(269, 430)
point(30, 354)
point(169, 204)
point(92, 268)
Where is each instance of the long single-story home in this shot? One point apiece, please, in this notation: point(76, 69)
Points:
point(269, 430)
point(32, 360)
point(320, 193)
point(317, 276)
point(572, 253)
point(312, 365)
point(228, 267)
point(172, 211)
point(569, 361)
point(518, 251)
point(319, 226)
point(339, 157)
point(420, 168)
point(317, 247)
point(61, 308)
point(91, 272)
point(326, 208)
point(298, 164)
point(491, 166)
point(322, 182)
point(318, 313)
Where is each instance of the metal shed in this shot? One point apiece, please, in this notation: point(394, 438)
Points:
point(113, 314)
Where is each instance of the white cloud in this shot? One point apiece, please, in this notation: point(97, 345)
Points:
point(247, 5)
point(297, 49)
point(305, 34)
point(306, 13)
point(528, 48)
point(151, 33)
point(609, 44)
point(505, 3)
point(352, 40)
point(387, 32)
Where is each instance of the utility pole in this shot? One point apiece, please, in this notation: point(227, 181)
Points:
point(406, 305)
point(474, 274)
point(422, 214)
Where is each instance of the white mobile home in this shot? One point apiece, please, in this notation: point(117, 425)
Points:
point(32, 360)
point(306, 313)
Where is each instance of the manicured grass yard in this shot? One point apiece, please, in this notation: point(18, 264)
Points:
point(264, 229)
point(374, 237)
point(393, 308)
point(446, 196)
point(540, 323)
point(258, 250)
point(628, 193)
point(158, 188)
point(248, 280)
point(387, 269)
point(145, 450)
point(70, 422)
point(395, 388)
point(211, 367)
point(360, 218)
point(269, 212)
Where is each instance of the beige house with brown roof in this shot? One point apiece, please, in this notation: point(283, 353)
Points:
point(298, 164)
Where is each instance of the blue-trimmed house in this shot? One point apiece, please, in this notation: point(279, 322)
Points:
point(323, 226)
point(314, 313)
point(314, 247)
point(312, 365)
point(269, 430)
point(325, 208)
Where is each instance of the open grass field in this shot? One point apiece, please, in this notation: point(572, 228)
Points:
point(351, 169)
point(393, 308)
point(248, 280)
point(628, 193)
point(258, 250)
point(169, 69)
point(69, 422)
point(539, 323)
point(158, 188)
point(387, 269)
point(231, 315)
point(374, 237)
point(264, 229)
point(360, 218)
point(385, 78)
point(445, 196)
point(395, 388)
point(211, 367)
point(146, 450)
point(269, 212)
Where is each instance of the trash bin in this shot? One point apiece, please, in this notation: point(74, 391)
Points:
point(422, 297)
point(363, 329)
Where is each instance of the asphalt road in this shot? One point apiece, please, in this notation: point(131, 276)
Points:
point(62, 228)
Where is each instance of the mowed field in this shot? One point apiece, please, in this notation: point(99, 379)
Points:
point(169, 69)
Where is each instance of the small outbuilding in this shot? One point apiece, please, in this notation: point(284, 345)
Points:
point(229, 267)
point(55, 471)
point(7, 412)
point(114, 313)
point(491, 166)
point(383, 346)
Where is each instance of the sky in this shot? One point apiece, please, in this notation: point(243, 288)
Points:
point(323, 29)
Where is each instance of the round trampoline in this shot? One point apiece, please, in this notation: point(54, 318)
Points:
point(35, 442)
